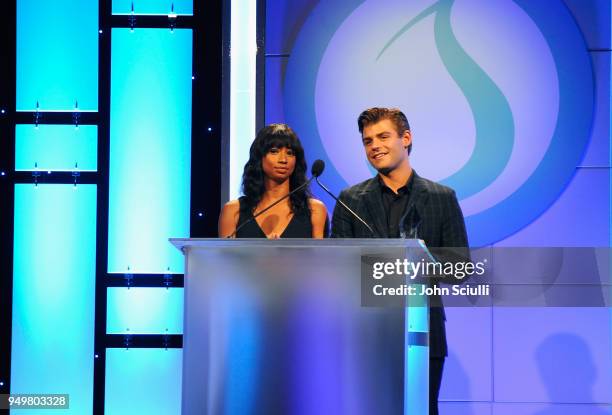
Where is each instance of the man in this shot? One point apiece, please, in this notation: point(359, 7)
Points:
point(397, 202)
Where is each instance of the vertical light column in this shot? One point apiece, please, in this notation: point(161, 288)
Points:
point(54, 292)
point(56, 148)
point(145, 310)
point(159, 7)
point(416, 357)
point(55, 224)
point(149, 202)
point(150, 149)
point(243, 51)
point(610, 170)
point(143, 381)
point(57, 55)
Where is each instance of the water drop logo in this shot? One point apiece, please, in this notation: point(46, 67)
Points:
point(494, 133)
point(499, 94)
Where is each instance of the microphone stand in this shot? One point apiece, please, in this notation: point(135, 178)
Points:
point(345, 206)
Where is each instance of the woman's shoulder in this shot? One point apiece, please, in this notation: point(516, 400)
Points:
point(233, 203)
point(233, 206)
point(228, 218)
point(318, 218)
point(316, 206)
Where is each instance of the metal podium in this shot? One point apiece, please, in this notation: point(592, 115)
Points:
point(278, 327)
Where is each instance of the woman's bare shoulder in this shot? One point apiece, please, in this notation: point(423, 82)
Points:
point(317, 206)
point(232, 204)
point(231, 208)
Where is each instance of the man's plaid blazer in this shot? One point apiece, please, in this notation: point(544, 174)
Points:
point(440, 225)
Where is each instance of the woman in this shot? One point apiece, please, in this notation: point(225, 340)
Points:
point(276, 166)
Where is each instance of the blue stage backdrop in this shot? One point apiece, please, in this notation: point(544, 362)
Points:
point(54, 291)
point(149, 195)
point(54, 275)
point(56, 148)
point(57, 55)
point(54, 263)
point(509, 104)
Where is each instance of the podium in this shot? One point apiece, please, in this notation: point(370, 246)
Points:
point(278, 327)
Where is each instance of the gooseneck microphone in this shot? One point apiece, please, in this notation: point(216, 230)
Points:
point(317, 168)
point(338, 200)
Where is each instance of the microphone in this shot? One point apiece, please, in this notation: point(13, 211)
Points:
point(316, 177)
point(317, 168)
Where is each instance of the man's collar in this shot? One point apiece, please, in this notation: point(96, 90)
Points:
point(405, 188)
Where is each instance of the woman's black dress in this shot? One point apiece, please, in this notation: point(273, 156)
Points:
point(299, 226)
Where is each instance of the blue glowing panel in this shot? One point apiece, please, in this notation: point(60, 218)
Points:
point(57, 54)
point(548, 409)
point(183, 7)
point(556, 355)
point(144, 311)
point(593, 17)
point(484, 64)
point(563, 224)
point(243, 24)
point(598, 151)
point(464, 408)
point(283, 20)
point(467, 369)
point(150, 149)
point(274, 90)
point(56, 147)
point(143, 381)
point(416, 368)
point(54, 292)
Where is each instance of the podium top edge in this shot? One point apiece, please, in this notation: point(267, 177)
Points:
point(184, 243)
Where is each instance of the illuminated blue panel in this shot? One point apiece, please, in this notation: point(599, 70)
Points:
point(53, 292)
point(416, 358)
point(559, 355)
point(150, 154)
point(57, 54)
point(143, 381)
point(144, 311)
point(56, 147)
point(183, 7)
point(242, 88)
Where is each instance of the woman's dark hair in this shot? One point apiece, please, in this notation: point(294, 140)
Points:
point(279, 136)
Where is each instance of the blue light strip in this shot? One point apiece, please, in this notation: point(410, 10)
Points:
point(243, 361)
point(416, 362)
point(143, 381)
point(56, 148)
point(610, 174)
point(150, 149)
point(242, 88)
point(144, 311)
point(155, 7)
point(416, 357)
point(57, 55)
point(54, 292)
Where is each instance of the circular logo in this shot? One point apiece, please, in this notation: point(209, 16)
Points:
point(499, 95)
